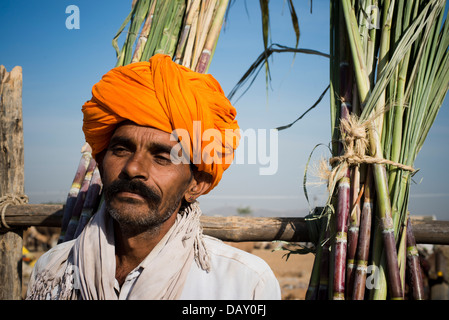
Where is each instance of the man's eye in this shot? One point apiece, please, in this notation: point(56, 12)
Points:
point(163, 160)
point(119, 151)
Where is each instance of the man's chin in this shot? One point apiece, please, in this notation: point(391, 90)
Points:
point(138, 220)
point(128, 209)
point(133, 213)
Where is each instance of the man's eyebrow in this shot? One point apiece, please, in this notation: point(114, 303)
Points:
point(157, 147)
point(121, 140)
point(154, 147)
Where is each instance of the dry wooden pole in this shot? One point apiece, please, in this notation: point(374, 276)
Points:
point(233, 228)
point(11, 178)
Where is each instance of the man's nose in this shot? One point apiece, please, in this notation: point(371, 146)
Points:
point(136, 167)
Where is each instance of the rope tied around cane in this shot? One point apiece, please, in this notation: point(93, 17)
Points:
point(355, 147)
point(10, 199)
point(355, 144)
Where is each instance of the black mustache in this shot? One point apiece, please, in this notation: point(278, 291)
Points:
point(133, 186)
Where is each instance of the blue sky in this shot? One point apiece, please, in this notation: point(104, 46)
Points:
point(61, 65)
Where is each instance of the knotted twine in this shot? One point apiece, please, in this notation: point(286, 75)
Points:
point(355, 146)
point(5, 201)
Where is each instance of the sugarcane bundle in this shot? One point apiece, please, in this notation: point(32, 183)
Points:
point(389, 74)
point(188, 31)
point(77, 194)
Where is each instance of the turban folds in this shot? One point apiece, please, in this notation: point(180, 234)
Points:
point(166, 96)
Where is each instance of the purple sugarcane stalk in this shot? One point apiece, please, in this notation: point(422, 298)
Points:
point(353, 229)
point(413, 265)
point(73, 223)
point(341, 237)
point(343, 188)
point(363, 247)
point(91, 202)
point(324, 270)
point(74, 190)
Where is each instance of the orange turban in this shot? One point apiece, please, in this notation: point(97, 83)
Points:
point(166, 96)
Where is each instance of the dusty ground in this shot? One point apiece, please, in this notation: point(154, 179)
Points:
point(293, 275)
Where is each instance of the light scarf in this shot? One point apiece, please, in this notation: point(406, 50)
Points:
point(87, 270)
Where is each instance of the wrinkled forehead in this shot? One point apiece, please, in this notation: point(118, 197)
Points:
point(141, 134)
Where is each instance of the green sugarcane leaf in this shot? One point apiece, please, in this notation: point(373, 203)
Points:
point(408, 38)
point(266, 36)
point(294, 21)
point(255, 68)
point(141, 10)
point(307, 111)
point(119, 52)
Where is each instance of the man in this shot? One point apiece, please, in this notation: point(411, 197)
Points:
point(146, 242)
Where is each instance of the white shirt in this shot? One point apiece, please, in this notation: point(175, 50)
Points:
point(234, 275)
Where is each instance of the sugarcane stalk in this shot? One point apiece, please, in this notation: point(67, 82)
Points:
point(187, 57)
point(175, 29)
point(371, 44)
point(204, 23)
point(314, 281)
point(358, 55)
point(380, 177)
point(192, 10)
point(135, 24)
point(378, 289)
point(340, 246)
point(162, 43)
point(362, 21)
point(388, 232)
point(121, 53)
point(363, 247)
point(312, 288)
point(343, 186)
point(323, 287)
point(399, 107)
point(172, 26)
point(144, 33)
point(353, 229)
point(212, 37)
point(73, 223)
point(334, 76)
point(420, 84)
point(402, 253)
point(91, 202)
point(413, 265)
point(341, 237)
point(384, 48)
point(161, 11)
point(75, 189)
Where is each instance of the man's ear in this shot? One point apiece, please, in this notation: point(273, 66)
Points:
point(200, 184)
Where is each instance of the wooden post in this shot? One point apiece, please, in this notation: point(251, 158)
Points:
point(11, 178)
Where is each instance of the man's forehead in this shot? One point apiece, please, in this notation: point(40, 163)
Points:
point(132, 131)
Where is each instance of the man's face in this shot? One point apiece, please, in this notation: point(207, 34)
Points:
point(143, 188)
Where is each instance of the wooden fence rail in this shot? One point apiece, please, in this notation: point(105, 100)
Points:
point(233, 228)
